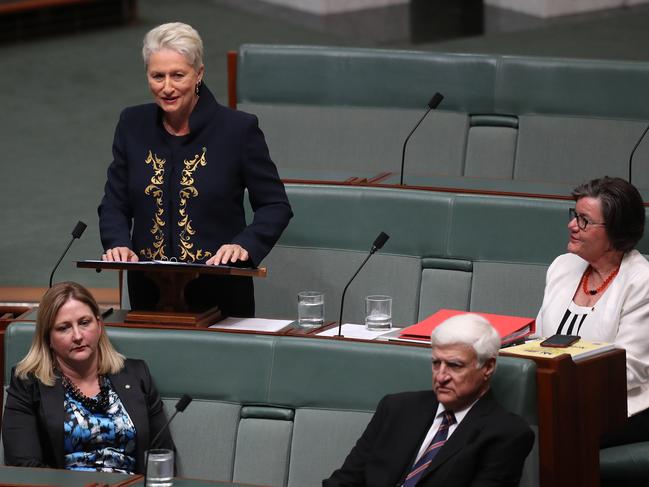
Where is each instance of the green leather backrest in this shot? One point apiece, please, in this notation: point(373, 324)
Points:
point(280, 410)
point(472, 83)
point(430, 224)
point(293, 372)
point(364, 77)
point(506, 118)
point(344, 217)
point(446, 250)
point(560, 86)
point(508, 229)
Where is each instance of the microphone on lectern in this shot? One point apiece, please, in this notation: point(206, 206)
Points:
point(432, 104)
point(379, 242)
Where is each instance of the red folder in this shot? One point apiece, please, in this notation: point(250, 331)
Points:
point(511, 328)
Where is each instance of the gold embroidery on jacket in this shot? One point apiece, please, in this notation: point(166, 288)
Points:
point(155, 190)
point(187, 252)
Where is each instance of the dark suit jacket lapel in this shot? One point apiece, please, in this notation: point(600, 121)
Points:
point(414, 424)
point(465, 432)
point(127, 387)
point(53, 413)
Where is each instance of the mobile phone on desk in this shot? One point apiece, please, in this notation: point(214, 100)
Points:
point(560, 341)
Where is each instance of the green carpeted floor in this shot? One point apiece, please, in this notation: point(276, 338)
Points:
point(61, 98)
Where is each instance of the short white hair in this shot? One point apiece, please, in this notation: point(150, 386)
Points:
point(468, 329)
point(178, 37)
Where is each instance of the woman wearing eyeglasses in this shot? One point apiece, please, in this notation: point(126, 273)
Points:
point(599, 290)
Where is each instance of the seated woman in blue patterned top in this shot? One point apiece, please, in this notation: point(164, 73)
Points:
point(74, 402)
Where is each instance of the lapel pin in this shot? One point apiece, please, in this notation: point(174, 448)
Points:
point(127, 386)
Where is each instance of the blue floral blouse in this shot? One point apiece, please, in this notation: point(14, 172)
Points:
point(103, 441)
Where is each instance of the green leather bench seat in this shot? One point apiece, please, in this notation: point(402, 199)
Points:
point(514, 118)
point(281, 411)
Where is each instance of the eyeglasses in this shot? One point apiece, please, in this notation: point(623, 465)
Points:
point(582, 221)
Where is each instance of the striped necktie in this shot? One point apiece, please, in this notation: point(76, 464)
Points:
point(438, 441)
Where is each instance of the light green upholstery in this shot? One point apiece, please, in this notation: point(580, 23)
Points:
point(562, 86)
point(295, 269)
point(491, 147)
point(263, 450)
point(446, 250)
point(560, 148)
point(334, 76)
point(276, 410)
point(522, 283)
point(510, 118)
point(355, 139)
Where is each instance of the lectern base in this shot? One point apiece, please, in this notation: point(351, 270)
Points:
point(203, 320)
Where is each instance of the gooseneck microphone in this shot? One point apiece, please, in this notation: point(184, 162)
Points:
point(76, 233)
point(432, 104)
point(181, 405)
point(635, 147)
point(378, 243)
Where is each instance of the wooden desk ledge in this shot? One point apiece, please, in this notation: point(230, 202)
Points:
point(31, 296)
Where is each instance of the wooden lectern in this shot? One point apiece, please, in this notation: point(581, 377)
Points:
point(577, 402)
point(171, 279)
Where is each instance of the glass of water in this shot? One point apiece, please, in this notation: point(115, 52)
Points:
point(310, 309)
point(378, 312)
point(160, 468)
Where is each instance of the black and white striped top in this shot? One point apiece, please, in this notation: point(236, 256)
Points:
point(573, 319)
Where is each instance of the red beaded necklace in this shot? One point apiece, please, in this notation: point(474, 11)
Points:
point(607, 281)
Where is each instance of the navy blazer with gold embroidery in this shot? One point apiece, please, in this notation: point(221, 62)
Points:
point(183, 196)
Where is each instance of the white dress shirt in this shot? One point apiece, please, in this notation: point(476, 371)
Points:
point(459, 416)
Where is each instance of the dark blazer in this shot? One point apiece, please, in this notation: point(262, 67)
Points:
point(488, 448)
point(32, 426)
point(182, 197)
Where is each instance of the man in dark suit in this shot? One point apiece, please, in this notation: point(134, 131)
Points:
point(455, 435)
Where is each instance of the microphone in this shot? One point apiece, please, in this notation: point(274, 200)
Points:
point(76, 233)
point(635, 147)
point(181, 405)
point(379, 242)
point(432, 104)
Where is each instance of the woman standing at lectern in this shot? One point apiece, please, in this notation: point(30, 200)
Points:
point(176, 185)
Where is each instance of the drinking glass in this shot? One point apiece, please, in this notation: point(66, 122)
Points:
point(378, 312)
point(310, 309)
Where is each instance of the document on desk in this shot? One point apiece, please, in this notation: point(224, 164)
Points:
point(252, 324)
point(350, 330)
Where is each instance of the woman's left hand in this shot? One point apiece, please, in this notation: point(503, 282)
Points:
point(228, 254)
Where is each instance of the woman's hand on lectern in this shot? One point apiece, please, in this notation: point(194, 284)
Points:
point(228, 254)
point(120, 254)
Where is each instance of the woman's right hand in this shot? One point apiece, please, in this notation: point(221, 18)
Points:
point(119, 254)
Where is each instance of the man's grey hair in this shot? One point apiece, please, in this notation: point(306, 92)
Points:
point(178, 37)
point(468, 329)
